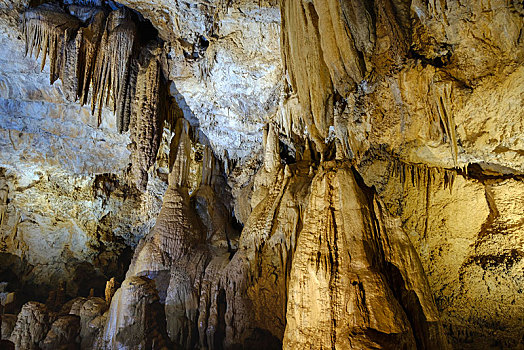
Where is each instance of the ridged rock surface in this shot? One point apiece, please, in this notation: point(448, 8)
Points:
point(343, 174)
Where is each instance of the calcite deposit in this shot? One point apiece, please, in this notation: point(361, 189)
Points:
point(262, 174)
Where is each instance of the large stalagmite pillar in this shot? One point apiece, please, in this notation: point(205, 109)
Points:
point(351, 275)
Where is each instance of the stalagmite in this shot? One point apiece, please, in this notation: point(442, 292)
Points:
point(111, 287)
point(381, 211)
point(136, 319)
point(91, 322)
point(172, 254)
point(333, 286)
point(63, 333)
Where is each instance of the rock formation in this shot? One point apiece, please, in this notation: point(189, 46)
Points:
point(136, 319)
point(31, 326)
point(290, 174)
point(63, 333)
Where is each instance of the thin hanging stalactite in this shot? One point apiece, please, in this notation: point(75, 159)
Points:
point(421, 176)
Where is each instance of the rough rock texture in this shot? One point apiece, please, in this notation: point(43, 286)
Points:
point(468, 236)
point(63, 194)
point(147, 118)
point(8, 324)
point(224, 62)
point(63, 333)
point(92, 321)
point(258, 295)
point(359, 279)
point(31, 326)
point(136, 319)
point(420, 121)
point(175, 253)
point(371, 150)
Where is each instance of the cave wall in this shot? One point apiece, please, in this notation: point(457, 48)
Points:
point(371, 150)
point(67, 211)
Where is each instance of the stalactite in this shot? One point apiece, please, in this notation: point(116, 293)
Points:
point(124, 105)
point(147, 115)
point(180, 154)
point(429, 178)
point(442, 109)
point(4, 192)
point(103, 60)
point(48, 29)
point(112, 65)
point(90, 43)
point(99, 54)
point(449, 179)
point(421, 175)
point(208, 166)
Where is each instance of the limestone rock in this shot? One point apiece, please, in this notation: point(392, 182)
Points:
point(111, 287)
point(221, 76)
point(136, 319)
point(113, 61)
point(147, 118)
point(49, 28)
point(355, 184)
point(63, 333)
point(65, 183)
point(461, 232)
point(73, 306)
point(489, 43)
point(12, 303)
point(8, 324)
point(361, 306)
point(92, 321)
point(31, 327)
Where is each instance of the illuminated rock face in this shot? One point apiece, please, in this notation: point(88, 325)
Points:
point(371, 151)
point(67, 212)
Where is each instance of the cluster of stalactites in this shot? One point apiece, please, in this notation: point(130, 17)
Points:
point(113, 80)
point(48, 29)
point(98, 55)
point(421, 176)
point(442, 95)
